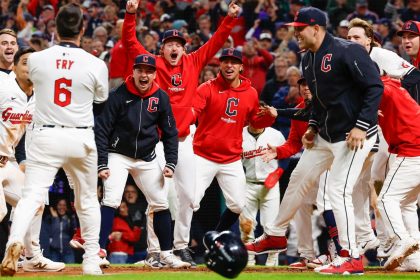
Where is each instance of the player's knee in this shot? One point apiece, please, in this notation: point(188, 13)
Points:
point(113, 203)
point(237, 207)
point(158, 207)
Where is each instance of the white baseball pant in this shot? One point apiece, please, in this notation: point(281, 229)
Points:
point(400, 189)
point(322, 199)
point(185, 189)
point(148, 177)
point(152, 240)
point(49, 150)
point(345, 166)
point(231, 179)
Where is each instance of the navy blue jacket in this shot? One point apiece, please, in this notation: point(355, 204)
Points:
point(128, 125)
point(346, 86)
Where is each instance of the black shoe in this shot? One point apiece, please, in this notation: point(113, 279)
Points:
point(185, 255)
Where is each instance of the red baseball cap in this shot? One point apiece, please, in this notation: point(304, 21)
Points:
point(309, 16)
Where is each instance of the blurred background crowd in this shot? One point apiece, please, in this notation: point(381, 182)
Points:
point(271, 62)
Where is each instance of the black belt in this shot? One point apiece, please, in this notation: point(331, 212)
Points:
point(256, 183)
point(62, 126)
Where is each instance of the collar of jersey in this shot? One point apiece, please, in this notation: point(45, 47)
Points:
point(68, 45)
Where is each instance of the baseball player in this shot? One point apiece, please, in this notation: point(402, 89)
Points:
point(223, 107)
point(8, 48)
point(400, 122)
point(67, 80)
point(342, 131)
point(177, 74)
point(126, 136)
point(258, 197)
point(16, 107)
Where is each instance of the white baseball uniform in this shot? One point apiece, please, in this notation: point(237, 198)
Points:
point(67, 80)
point(256, 171)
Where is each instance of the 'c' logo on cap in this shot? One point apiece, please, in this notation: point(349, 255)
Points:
point(230, 51)
point(407, 25)
point(145, 59)
point(296, 16)
point(175, 33)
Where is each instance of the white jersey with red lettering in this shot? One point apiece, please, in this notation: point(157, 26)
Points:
point(16, 113)
point(390, 62)
point(75, 80)
point(256, 170)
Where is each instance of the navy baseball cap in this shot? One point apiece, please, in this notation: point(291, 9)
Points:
point(309, 16)
point(145, 59)
point(411, 27)
point(231, 53)
point(173, 34)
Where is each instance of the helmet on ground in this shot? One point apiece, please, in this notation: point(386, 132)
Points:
point(225, 254)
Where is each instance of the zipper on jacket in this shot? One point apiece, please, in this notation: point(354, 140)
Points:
point(358, 69)
point(319, 99)
point(326, 127)
point(61, 236)
point(138, 132)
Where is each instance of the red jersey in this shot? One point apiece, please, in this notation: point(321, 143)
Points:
point(222, 114)
point(128, 238)
point(293, 143)
point(119, 66)
point(401, 119)
point(180, 81)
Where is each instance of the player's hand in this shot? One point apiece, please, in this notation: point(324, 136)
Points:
point(233, 10)
point(270, 110)
point(116, 235)
point(356, 138)
point(22, 167)
point(308, 138)
point(132, 6)
point(3, 161)
point(269, 154)
point(53, 212)
point(167, 172)
point(104, 174)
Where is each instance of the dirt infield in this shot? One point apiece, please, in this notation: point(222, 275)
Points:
point(127, 269)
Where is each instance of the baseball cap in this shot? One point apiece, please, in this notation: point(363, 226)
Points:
point(48, 7)
point(232, 53)
point(309, 16)
point(173, 34)
point(411, 27)
point(165, 17)
point(385, 22)
point(298, 2)
point(344, 23)
point(266, 36)
point(179, 23)
point(361, 3)
point(145, 59)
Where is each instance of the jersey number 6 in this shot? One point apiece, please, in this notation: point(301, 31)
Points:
point(62, 96)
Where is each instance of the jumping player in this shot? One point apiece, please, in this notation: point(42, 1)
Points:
point(224, 105)
point(177, 74)
point(258, 197)
point(67, 80)
point(126, 137)
point(16, 107)
point(342, 131)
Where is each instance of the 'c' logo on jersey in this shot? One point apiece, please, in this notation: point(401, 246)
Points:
point(324, 66)
point(230, 107)
point(153, 104)
point(176, 80)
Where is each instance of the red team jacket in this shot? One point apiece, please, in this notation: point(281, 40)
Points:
point(401, 119)
point(293, 143)
point(129, 237)
point(222, 114)
point(180, 82)
point(119, 65)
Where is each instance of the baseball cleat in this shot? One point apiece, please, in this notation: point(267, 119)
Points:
point(299, 265)
point(267, 244)
point(368, 245)
point(385, 250)
point(403, 249)
point(185, 256)
point(273, 178)
point(319, 261)
point(168, 259)
point(91, 266)
point(9, 265)
point(343, 265)
point(272, 259)
point(153, 260)
point(41, 263)
point(77, 241)
point(411, 263)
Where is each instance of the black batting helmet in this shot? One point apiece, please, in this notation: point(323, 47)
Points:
point(225, 254)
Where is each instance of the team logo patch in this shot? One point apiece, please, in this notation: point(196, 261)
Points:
point(325, 64)
point(176, 80)
point(232, 103)
point(153, 104)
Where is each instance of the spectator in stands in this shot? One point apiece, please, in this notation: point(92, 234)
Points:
point(100, 33)
point(339, 13)
point(363, 12)
point(294, 7)
point(266, 41)
point(342, 29)
point(95, 19)
point(412, 12)
point(207, 73)
point(384, 27)
point(256, 62)
point(279, 80)
point(86, 43)
point(60, 225)
point(123, 236)
point(204, 28)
